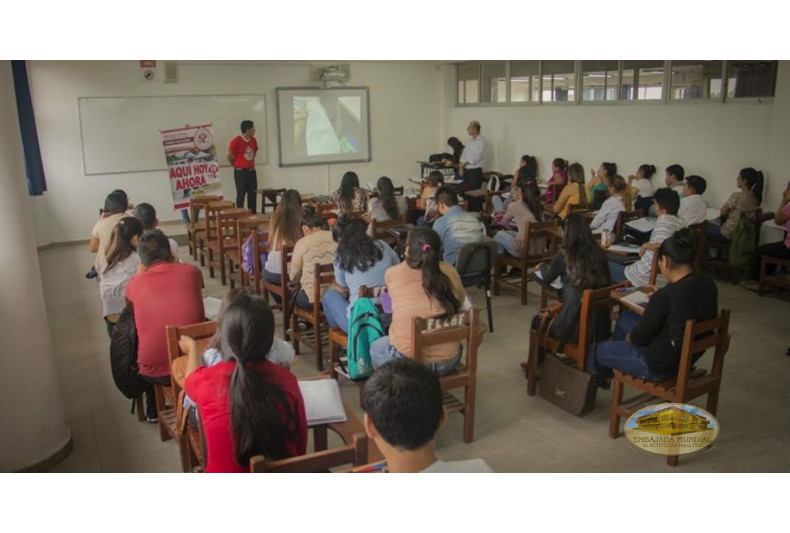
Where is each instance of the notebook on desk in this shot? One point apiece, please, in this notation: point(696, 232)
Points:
point(642, 225)
point(322, 403)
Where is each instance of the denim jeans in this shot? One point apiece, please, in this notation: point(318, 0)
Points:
point(302, 301)
point(504, 241)
point(335, 307)
point(617, 271)
point(714, 233)
point(497, 203)
point(623, 356)
point(626, 322)
point(382, 352)
point(185, 215)
point(150, 397)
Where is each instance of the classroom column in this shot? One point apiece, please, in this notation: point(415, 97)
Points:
point(32, 420)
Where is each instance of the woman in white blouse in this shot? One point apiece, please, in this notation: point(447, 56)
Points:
point(619, 200)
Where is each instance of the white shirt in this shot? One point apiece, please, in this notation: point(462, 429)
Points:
point(472, 466)
point(693, 209)
point(474, 152)
point(607, 215)
point(645, 188)
point(112, 284)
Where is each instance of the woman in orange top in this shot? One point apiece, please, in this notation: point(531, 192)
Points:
point(572, 194)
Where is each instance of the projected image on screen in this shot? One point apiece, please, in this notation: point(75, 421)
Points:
point(323, 125)
point(330, 125)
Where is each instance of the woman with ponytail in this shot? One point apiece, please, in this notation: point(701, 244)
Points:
point(248, 405)
point(422, 285)
point(120, 265)
point(559, 176)
point(743, 203)
point(387, 206)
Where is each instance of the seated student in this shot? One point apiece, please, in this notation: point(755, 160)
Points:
point(666, 203)
point(426, 287)
point(122, 263)
point(641, 186)
point(693, 209)
point(146, 214)
point(525, 209)
point(349, 198)
point(581, 264)
point(779, 249)
point(527, 172)
point(403, 412)
point(455, 160)
point(455, 227)
point(115, 206)
point(248, 405)
point(575, 193)
point(674, 179)
point(428, 199)
point(167, 293)
point(317, 246)
point(619, 200)
point(743, 203)
point(359, 261)
point(649, 347)
point(559, 176)
point(599, 181)
point(387, 206)
point(284, 230)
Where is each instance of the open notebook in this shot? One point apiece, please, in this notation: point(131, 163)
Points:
point(557, 283)
point(637, 299)
point(322, 401)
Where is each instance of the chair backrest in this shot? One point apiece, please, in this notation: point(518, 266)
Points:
point(378, 229)
point(579, 208)
point(598, 198)
point(260, 242)
point(202, 332)
point(476, 257)
point(701, 230)
point(227, 226)
point(324, 275)
point(463, 326)
point(536, 230)
point(372, 292)
point(355, 452)
point(199, 202)
point(698, 337)
point(594, 300)
point(210, 220)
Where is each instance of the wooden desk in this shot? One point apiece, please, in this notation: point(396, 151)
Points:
point(270, 195)
point(477, 193)
point(619, 294)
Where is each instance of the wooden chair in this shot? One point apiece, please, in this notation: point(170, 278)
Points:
point(690, 382)
point(464, 326)
point(354, 453)
point(592, 302)
point(623, 217)
point(534, 230)
point(488, 205)
point(478, 258)
point(579, 208)
point(782, 283)
point(280, 290)
point(314, 337)
point(721, 260)
point(269, 198)
point(197, 203)
point(378, 229)
point(245, 226)
point(188, 438)
point(209, 232)
point(226, 240)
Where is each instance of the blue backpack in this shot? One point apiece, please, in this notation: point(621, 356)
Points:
point(246, 256)
point(364, 327)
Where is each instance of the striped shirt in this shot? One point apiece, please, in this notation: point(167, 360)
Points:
point(318, 247)
point(639, 273)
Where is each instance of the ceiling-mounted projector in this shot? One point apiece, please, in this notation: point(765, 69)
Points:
point(333, 73)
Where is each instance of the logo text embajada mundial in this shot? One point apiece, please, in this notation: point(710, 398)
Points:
point(672, 428)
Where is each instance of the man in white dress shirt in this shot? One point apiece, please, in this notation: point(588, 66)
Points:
point(693, 209)
point(472, 162)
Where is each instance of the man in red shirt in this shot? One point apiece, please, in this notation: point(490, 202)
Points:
point(241, 155)
point(167, 293)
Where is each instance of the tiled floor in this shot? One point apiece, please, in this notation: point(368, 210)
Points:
point(513, 432)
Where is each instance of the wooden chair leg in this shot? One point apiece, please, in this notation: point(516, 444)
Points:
point(469, 412)
point(672, 460)
point(319, 353)
point(140, 406)
point(532, 363)
point(294, 336)
point(524, 286)
point(201, 250)
point(164, 434)
point(713, 402)
point(222, 270)
point(489, 310)
point(332, 357)
point(497, 268)
point(210, 260)
point(617, 397)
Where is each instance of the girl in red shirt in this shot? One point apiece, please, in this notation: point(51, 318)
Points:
point(248, 405)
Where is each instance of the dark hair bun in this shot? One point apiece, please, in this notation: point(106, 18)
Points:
point(685, 238)
point(653, 169)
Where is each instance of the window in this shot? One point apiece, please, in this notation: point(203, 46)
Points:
point(643, 80)
point(695, 79)
point(494, 81)
point(559, 81)
point(600, 80)
point(752, 79)
point(468, 82)
point(524, 81)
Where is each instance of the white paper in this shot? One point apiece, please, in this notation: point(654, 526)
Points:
point(637, 298)
point(557, 283)
point(713, 213)
point(623, 248)
point(211, 307)
point(642, 225)
point(322, 401)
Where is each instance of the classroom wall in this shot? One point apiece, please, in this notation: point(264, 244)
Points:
point(709, 139)
point(406, 121)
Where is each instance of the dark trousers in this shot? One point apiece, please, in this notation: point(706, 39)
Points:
point(775, 249)
point(246, 184)
point(473, 180)
point(150, 397)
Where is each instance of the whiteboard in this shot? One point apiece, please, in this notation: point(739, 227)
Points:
point(121, 134)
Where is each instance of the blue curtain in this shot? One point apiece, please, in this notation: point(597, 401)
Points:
point(36, 182)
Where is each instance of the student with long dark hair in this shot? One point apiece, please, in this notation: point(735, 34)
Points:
point(349, 198)
point(387, 206)
point(423, 285)
point(559, 176)
point(428, 199)
point(642, 187)
point(122, 263)
point(458, 149)
point(248, 405)
point(572, 194)
point(285, 229)
point(115, 206)
point(525, 208)
point(580, 264)
point(649, 346)
point(600, 181)
point(359, 261)
point(743, 203)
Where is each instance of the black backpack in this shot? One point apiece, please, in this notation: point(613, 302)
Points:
point(123, 356)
